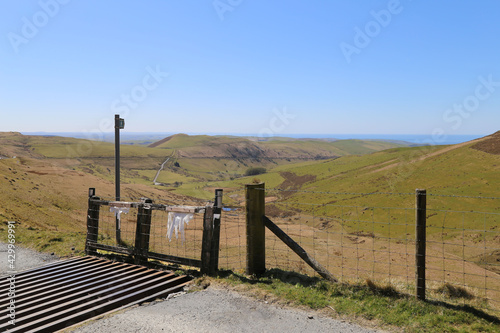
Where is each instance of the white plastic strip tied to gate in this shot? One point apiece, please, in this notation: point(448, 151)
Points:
point(176, 222)
point(118, 211)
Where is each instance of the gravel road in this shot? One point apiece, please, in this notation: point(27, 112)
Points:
point(24, 259)
point(215, 309)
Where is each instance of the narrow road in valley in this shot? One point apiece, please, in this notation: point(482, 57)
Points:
point(161, 168)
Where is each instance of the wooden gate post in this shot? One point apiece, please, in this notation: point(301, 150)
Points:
point(142, 232)
point(92, 223)
point(206, 244)
point(214, 256)
point(420, 242)
point(256, 231)
point(211, 236)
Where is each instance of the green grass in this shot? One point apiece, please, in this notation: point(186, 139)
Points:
point(195, 190)
point(382, 305)
point(272, 179)
point(167, 176)
point(325, 148)
point(183, 140)
point(60, 147)
point(222, 158)
point(61, 243)
point(463, 171)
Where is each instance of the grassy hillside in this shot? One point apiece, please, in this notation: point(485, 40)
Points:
point(44, 188)
point(193, 159)
point(334, 188)
point(461, 169)
point(219, 158)
point(458, 169)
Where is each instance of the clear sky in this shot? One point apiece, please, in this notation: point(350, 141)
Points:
point(251, 66)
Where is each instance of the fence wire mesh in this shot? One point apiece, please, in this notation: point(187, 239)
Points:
point(233, 241)
point(185, 242)
point(107, 227)
point(357, 240)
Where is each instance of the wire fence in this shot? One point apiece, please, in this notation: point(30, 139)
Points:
point(371, 236)
point(233, 241)
point(355, 236)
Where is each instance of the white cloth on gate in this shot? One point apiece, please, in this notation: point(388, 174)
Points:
point(118, 211)
point(176, 222)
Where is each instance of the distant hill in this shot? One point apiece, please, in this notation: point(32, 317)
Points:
point(202, 146)
point(214, 158)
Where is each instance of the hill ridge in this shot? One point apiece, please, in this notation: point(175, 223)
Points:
point(489, 144)
point(162, 141)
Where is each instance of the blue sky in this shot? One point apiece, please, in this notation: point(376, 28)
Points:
point(240, 66)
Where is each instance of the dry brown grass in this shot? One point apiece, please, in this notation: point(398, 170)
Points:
point(358, 257)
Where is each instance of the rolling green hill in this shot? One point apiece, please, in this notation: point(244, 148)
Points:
point(45, 181)
point(201, 146)
point(218, 158)
point(373, 196)
point(470, 168)
point(193, 158)
point(458, 178)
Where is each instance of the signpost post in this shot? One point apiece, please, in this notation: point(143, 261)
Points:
point(119, 124)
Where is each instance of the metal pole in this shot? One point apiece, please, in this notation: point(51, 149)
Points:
point(117, 173)
point(117, 156)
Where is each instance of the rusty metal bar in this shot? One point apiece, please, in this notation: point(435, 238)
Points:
point(174, 259)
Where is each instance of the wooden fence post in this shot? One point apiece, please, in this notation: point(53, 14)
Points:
point(420, 242)
point(206, 245)
point(92, 223)
point(256, 231)
point(142, 232)
point(214, 256)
